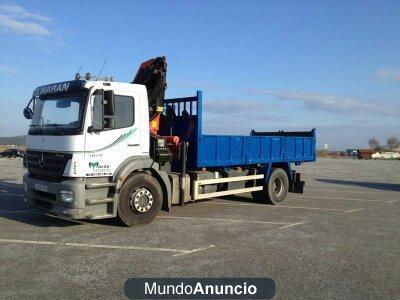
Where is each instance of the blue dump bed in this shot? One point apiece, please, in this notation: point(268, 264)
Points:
point(185, 119)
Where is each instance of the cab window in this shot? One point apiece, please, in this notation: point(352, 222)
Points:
point(124, 112)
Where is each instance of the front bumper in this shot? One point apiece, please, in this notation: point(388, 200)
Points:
point(50, 200)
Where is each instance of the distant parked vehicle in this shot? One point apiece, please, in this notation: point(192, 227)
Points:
point(365, 153)
point(12, 153)
point(386, 155)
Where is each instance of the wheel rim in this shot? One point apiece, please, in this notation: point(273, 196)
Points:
point(277, 186)
point(141, 200)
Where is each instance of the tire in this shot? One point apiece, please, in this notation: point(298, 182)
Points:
point(276, 189)
point(140, 200)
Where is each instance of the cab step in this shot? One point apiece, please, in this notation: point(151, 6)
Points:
point(98, 185)
point(99, 200)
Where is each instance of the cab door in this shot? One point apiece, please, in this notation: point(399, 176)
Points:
point(111, 139)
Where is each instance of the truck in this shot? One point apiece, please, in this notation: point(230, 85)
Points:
point(98, 149)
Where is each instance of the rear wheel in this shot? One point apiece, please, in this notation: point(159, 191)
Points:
point(140, 199)
point(275, 190)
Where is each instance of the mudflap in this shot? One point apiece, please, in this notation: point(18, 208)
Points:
point(296, 185)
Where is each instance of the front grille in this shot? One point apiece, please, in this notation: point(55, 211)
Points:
point(46, 165)
point(45, 196)
point(44, 199)
point(44, 204)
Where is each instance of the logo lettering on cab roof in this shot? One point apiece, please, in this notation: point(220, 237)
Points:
point(52, 88)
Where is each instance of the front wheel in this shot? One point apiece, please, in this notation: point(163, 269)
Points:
point(275, 190)
point(140, 199)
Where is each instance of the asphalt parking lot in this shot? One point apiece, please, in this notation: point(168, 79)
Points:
point(340, 239)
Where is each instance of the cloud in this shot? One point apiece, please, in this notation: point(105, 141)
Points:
point(5, 69)
point(18, 20)
point(335, 103)
point(236, 116)
point(191, 84)
point(235, 106)
point(16, 11)
point(388, 74)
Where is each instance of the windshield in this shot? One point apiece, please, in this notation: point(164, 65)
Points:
point(58, 115)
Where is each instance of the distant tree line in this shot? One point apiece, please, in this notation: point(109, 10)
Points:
point(13, 140)
point(392, 144)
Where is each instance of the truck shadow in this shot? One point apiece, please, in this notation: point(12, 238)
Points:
point(14, 208)
point(372, 185)
point(244, 198)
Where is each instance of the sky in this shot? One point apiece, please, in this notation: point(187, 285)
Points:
point(263, 65)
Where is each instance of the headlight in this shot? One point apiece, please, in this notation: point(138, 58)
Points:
point(67, 196)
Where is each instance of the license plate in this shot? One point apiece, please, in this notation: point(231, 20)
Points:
point(41, 187)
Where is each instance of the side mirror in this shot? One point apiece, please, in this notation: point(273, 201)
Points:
point(109, 108)
point(103, 111)
point(109, 103)
point(28, 113)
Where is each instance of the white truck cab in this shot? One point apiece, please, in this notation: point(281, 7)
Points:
point(72, 123)
point(85, 138)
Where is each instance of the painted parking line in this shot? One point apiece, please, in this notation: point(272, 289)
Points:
point(338, 198)
point(195, 250)
point(292, 225)
point(279, 206)
point(352, 210)
point(392, 201)
point(283, 224)
point(28, 242)
point(177, 252)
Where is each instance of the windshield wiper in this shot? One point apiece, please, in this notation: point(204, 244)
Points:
point(59, 128)
point(37, 127)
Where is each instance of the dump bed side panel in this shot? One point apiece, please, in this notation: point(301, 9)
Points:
point(224, 151)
